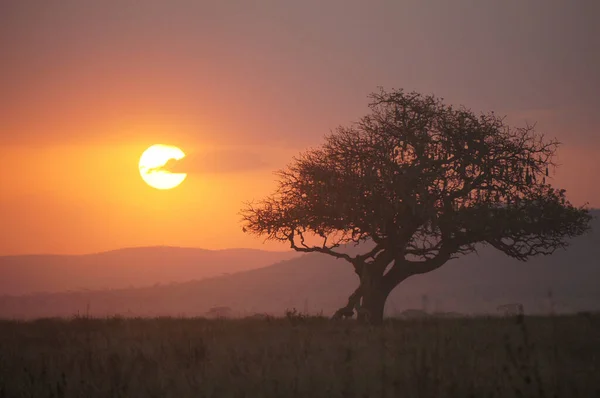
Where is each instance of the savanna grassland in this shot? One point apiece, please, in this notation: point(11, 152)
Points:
point(299, 356)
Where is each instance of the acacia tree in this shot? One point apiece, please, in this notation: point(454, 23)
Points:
point(419, 183)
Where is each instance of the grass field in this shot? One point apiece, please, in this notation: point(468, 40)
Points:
point(301, 357)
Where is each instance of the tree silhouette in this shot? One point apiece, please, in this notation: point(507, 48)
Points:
point(423, 183)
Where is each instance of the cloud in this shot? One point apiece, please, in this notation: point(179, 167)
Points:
point(216, 162)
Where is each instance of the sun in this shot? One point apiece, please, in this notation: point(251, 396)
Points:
point(152, 161)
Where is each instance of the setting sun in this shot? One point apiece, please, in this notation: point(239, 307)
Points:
point(152, 164)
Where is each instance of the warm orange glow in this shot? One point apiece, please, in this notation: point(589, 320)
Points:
point(90, 86)
point(156, 157)
point(110, 206)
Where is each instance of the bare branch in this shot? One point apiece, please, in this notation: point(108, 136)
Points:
point(353, 302)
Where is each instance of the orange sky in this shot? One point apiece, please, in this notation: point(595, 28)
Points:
point(85, 198)
point(85, 88)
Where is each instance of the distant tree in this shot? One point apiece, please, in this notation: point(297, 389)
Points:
point(219, 312)
point(511, 309)
point(424, 183)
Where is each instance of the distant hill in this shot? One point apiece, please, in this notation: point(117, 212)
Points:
point(314, 282)
point(131, 267)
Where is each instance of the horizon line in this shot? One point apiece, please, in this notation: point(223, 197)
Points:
point(144, 247)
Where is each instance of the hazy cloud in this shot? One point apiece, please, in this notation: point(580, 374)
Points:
point(221, 161)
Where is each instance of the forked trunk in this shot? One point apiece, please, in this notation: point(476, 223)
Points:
point(372, 305)
point(368, 300)
point(374, 295)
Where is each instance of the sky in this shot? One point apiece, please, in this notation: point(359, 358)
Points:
point(242, 86)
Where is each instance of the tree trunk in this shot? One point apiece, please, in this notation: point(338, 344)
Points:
point(374, 294)
point(368, 300)
point(373, 304)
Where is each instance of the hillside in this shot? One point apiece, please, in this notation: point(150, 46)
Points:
point(473, 284)
point(131, 267)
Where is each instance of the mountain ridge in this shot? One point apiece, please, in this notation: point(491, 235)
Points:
point(150, 247)
point(564, 282)
point(139, 266)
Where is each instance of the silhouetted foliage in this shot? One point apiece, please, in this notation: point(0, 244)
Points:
point(425, 182)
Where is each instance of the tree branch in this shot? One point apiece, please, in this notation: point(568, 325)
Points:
point(403, 268)
point(353, 303)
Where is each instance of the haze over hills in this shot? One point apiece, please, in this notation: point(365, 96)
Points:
point(315, 282)
point(130, 267)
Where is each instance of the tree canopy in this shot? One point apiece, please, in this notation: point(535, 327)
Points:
point(423, 182)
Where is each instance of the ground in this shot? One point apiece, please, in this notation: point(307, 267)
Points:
point(556, 356)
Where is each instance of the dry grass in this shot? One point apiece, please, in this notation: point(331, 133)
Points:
point(300, 357)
